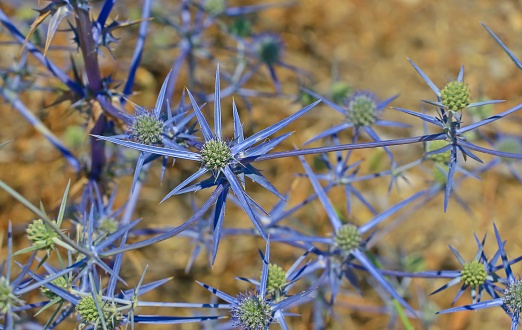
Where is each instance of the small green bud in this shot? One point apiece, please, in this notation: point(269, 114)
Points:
point(442, 158)
point(7, 297)
point(455, 95)
point(41, 234)
point(268, 48)
point(60, 282)
point(251, 312)
point(215, 155)
point(241, 27)
point(339, 91)
point(107, 225)
point(347, 238)
point(276, 278)
point(146, 128)
point(474, 273)
point(361, 109)
point(513, 297)
point(88, 311)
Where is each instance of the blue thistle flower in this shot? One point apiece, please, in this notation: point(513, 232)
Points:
point(228, 163)
point(510, 297)
point(450, 121)
point(348, 244)
point(254, 309)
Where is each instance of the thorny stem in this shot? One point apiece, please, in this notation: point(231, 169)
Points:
point(88, 47)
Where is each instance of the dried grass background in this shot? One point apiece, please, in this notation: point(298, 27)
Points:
point(370, 41)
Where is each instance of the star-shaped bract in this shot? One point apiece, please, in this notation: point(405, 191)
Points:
point(350, 235)
point(510, 301)
point(255, 309)
point(362, 111)
point(227, 162)
point(450, 120)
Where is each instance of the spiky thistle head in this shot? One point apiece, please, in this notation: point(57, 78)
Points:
point(7, 297)
point(455, 95)
point(251, 312)
point(107, 225)
point(441, 158)
point(347, 238)
point(88, 311)
point(276, 278)
point(41, 234)
point(146, 128)
point(60, 282)
point(215, 155)
point(361, 109)
point(268, 48)
point(474, 273)
point(513, 296)
point(339, 91)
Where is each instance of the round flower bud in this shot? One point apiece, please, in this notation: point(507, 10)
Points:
point(88, 311)
point(442, 158)
point(361, 109)
point(276, 278)
point(474, 273)
point(347, 238)
point(455, 95)
point(251, 312)
point(60, 282)
point(268, 48)
point(339, 91)
point(513, 297)
point(215, 155)
point(7, 297)
point(146, 128)
point(41, 234)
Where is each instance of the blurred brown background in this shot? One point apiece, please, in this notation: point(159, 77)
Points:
point(370, 41)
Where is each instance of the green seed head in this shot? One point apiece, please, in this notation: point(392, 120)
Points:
point(251, 312)
point(146, 128)
point(362, 109)
point(7, 298)
point(474, 273)
point(60, 282)
point(241, 27)
point(215, 7)
point(215, 155)
point(276, 278)
point(339, 91)
point(347, 238)
point(41, 234)
point(513, 296)
point(440, 158)
point(107, 225)
point(268, 48)
point(455, 95)
point(88, 311)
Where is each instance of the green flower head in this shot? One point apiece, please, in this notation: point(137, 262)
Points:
point(455, 95)
point(474, 273)
point(362, 109)
point(251, 312)
point(146, 128)
point(215, 155)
